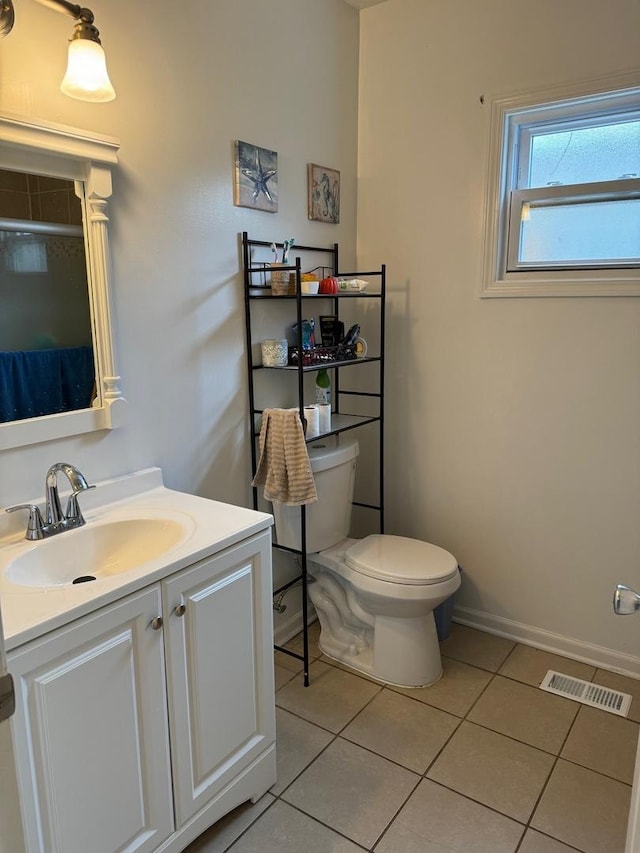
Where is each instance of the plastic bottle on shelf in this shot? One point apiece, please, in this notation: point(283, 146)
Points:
point(323, 387)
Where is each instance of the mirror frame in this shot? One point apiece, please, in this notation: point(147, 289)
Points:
point(64, 152)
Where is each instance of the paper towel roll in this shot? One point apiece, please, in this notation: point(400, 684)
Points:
point(324, 417)
point(313, 423)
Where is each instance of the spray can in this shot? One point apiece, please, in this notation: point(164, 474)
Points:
point(323, 387)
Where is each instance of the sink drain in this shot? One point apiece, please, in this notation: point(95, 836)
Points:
point(84, 579)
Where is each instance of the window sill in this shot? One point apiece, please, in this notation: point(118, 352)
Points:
point(609, 283)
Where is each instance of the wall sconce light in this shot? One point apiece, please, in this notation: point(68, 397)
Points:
point(86, 77)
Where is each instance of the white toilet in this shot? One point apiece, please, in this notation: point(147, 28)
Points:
point(375, 596)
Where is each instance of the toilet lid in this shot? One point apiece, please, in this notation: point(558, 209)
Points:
point(397, 559)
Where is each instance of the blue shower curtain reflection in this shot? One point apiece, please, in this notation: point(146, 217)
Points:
point(45, 382)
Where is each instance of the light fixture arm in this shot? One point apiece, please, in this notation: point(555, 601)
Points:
point(85, 27)
point(72, 9)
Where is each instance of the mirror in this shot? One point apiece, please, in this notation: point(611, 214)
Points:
point(57, 373)
point(46, 346)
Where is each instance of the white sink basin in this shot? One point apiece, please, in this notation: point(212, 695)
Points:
point(97, 550)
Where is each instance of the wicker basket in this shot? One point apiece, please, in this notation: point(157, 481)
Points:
point(283, 282)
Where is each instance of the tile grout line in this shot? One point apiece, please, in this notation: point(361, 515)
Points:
point(393, 819)
point(305, 768)
point(476, 802)
point(301, 811)
point(247, 828)
point(545, 835)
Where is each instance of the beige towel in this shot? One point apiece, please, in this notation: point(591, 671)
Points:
point(284, 468)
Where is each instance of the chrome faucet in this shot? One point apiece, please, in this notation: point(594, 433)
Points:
point(54, 520)
point(53, 510)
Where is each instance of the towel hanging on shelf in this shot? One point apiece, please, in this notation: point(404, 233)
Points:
point(284, 468)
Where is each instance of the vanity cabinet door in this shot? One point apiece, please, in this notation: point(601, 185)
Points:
point(91, 731)
point(218, 640)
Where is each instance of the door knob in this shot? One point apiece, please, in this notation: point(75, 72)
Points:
point(625, 600)
point(156, 623)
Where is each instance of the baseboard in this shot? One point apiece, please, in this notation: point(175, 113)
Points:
point(548, 641)
point(286, 629)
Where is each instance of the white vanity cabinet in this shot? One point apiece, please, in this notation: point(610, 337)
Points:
point(141, 724)
point(219, 648)
point(91, 732)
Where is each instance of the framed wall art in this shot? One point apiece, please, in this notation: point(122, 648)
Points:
point(256, 177)
point(323, 188)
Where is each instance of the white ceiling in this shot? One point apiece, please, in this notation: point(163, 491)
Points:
point(363, 4)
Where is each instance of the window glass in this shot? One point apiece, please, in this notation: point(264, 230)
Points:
point(598, 232)
point(584, 155)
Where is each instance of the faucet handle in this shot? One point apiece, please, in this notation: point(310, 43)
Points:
point(35, 524)
point(73, 512)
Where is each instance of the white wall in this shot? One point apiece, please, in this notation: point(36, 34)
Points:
point(191, 79)
point(518, 443)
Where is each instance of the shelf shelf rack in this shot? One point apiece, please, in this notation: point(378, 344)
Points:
point(257, 288)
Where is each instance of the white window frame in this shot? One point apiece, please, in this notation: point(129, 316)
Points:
point(503, 274)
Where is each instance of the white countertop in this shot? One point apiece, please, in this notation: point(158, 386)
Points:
point(210, 526)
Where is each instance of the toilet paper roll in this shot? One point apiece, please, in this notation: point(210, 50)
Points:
point(312, 416)
point(324, 417)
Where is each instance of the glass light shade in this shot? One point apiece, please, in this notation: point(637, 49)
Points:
point(86, 78)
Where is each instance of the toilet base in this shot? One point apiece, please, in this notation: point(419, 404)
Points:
point(384, 630)
point(403, 652)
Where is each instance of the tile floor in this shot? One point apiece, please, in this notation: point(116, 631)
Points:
point(481, 762)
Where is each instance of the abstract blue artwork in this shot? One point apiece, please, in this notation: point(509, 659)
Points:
point(256, 177)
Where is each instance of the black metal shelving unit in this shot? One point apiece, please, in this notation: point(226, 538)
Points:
point(257, 288)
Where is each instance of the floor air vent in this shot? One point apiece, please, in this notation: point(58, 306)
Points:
point(587, 693)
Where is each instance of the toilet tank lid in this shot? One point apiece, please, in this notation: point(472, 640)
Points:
point(398, 559)
point(329, 453)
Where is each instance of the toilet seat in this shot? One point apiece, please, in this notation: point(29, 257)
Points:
point(398, 559)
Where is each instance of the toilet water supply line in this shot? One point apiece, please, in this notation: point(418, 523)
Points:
point(278, 606)
point(278, 597)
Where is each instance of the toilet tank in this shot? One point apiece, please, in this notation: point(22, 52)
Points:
point(333, 463)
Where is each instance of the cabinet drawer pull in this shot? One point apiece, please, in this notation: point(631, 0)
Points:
point(180, 610)
point(156, 623)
